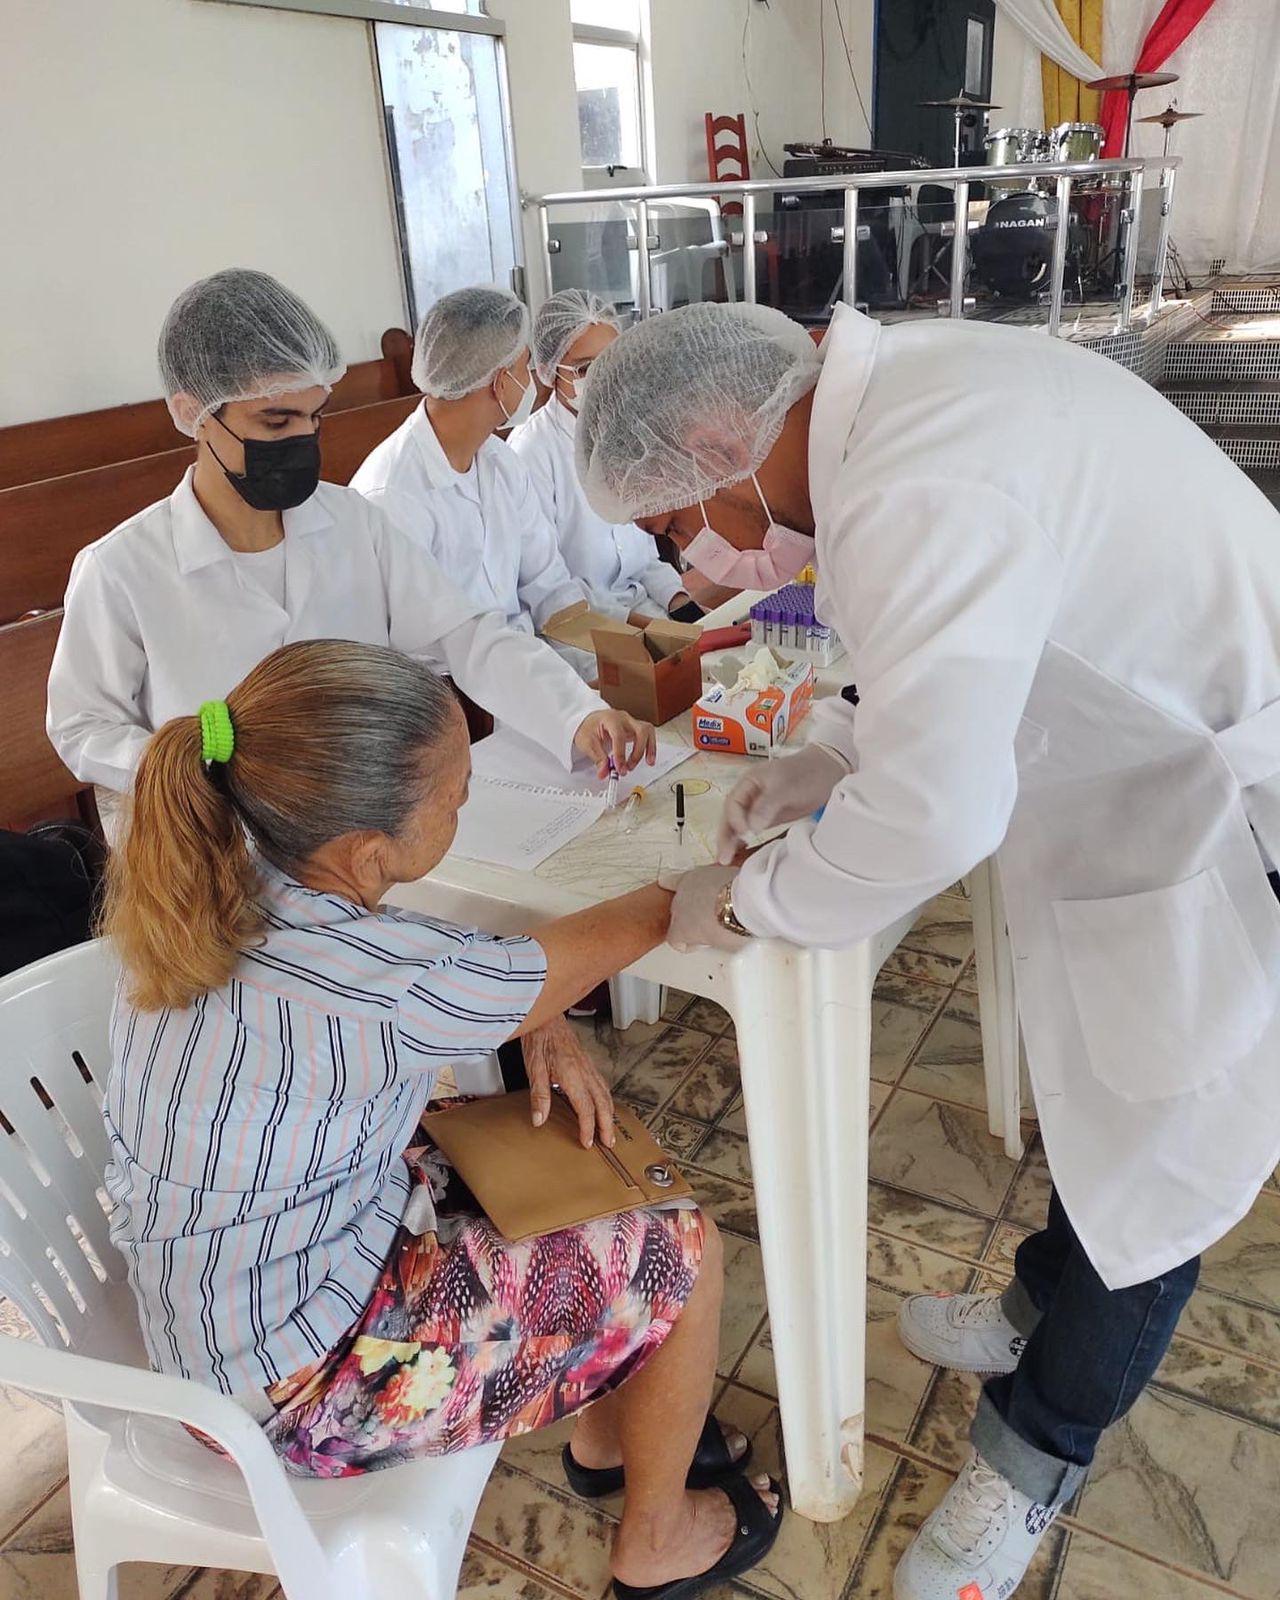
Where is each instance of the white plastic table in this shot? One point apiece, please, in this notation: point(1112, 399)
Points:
point(804, 1043)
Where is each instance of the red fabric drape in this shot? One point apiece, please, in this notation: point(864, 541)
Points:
point(1176, 20)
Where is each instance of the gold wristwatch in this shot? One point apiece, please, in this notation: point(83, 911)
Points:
point(725, 914)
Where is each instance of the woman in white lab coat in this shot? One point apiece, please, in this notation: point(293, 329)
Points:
point(251, 552)
point(1070, 651)
point(617, 563)
point(454, 487)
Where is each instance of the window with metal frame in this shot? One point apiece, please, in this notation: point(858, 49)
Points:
point(447, 127)
point(607, 71)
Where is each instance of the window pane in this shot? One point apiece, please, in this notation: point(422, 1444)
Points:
point(608, 105)
point(470, 8)
point(607, 13)
point(447, 142)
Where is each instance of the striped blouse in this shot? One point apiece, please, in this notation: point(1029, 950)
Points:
point(257, 1137)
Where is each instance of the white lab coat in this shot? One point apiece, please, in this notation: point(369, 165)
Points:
point(1062, 609)
point(617, 562)
point(485, 527)
point(160, 617)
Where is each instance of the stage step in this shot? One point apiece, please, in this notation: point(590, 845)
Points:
point(1255, 448)
point(1226, 400)
point(1239, 348)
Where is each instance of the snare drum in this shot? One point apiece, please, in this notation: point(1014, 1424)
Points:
point(1077, 141)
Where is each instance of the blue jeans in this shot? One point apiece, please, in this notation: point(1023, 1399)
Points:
point(1090, 1352)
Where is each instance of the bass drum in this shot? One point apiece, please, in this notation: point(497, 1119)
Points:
point(1013, 249)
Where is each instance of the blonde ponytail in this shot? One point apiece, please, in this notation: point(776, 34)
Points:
point(327, 737)
point(180, 889)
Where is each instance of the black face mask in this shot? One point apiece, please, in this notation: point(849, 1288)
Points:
point(278, 473)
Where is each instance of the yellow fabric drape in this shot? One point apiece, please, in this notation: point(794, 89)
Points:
point(1065, 98)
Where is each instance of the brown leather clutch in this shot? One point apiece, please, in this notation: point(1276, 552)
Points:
point(538, 1180)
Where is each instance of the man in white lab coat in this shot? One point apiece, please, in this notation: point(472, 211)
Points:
point(618, 563)
point(458, 490)
point(1062, 608)
point(251, 551)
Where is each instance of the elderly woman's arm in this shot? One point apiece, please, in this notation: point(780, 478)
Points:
point(589, 946)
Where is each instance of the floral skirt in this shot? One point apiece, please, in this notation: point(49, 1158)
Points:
point(469, 1339)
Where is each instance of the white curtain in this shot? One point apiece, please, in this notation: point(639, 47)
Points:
point(1227, 200)
point(1040, 21)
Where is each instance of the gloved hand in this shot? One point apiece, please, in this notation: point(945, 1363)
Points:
point(778, 791)
point(693, 911)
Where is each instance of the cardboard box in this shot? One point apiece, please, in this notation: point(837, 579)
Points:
point(753, 722)
point(653, 672)
point(574, 625)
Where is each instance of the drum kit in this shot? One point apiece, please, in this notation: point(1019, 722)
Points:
point(1013, 249)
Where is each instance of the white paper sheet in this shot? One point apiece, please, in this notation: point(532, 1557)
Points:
point(524, 806)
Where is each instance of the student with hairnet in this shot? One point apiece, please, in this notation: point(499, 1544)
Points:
point(1069, 651)
point(616, 561)
point(251, 551)
point(454, 487)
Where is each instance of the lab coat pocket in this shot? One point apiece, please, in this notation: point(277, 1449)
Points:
point(1167, 987)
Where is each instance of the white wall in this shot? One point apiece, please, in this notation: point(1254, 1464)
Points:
point(697, 61)
point(154, 141)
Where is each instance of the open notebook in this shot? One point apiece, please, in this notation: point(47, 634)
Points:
point(524, 806)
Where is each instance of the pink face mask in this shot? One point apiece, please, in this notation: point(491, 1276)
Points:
point(785, 553)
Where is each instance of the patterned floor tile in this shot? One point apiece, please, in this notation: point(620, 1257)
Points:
point(1229, 1382)
point(1092, 1569)
point(898, 988)
point(880, 1092)
point(484, 1577)
point(744, 1303)
point(910, 964)
point(895, 1032)
point(945, 928)
point(616, 1053)
point(1028, 1203)
point(941, 1151)
point(948, 1063)
point(677, 1135)
point(941, 1428)
point(811, 1559)
point(35, 1450)
point(1190, 1486)
point(547, 1529)
point(707, 1015)
point(731, 1205)
point(1003, 1247)
point(927, 1222)
point(1219, 1320)
point(654, 1079)
point(710, 1088)
point(1247, 1262)
point(726, 1153)
point(907, 1268)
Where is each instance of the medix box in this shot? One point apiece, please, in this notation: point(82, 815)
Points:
point(653, 672)
point(755, 721)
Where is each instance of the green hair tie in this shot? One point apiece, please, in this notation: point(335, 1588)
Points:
point(217, 736)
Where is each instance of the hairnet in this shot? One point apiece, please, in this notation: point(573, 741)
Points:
point(687, 402)
point(240, 335)
point(466, 338)
point(560, 320)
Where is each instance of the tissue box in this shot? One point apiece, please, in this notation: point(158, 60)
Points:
point(653, 672)
point(754, 721)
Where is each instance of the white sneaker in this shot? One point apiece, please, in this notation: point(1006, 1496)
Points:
point(967, 1332)
point(977, 1544)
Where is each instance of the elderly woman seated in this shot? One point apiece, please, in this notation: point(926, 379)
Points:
point(276, 1040)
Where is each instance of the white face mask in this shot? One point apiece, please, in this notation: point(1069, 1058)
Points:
point(528, 398)
point(786, 552)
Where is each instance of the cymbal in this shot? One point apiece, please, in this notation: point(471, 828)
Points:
point(1168, 118)
point(1131, 82)
point(962, 102)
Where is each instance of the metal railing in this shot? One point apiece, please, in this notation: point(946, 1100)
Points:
point(1123, 177)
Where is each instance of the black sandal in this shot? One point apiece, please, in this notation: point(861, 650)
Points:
point(756, 1532)
point(711, 1465)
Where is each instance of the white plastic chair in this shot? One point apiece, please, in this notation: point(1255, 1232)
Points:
point(141, 1488)
point(997, 1008)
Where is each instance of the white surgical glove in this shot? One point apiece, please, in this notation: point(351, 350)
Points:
point(778, 791)
point(693, 911)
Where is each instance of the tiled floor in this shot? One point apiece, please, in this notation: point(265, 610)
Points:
point(1182, 1505)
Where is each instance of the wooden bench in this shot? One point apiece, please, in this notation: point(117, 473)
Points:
point(34, 784)
point(56, 446)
